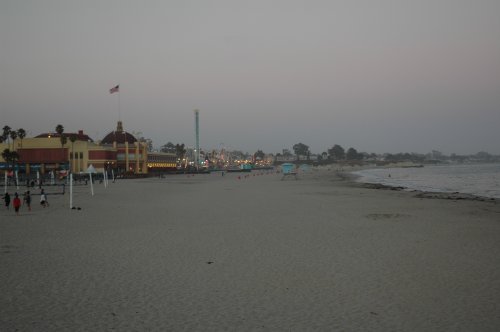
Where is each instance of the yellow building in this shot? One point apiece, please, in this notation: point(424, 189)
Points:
point(45, 153)
point(119, 150)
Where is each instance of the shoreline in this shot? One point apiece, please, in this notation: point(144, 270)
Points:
point(352, 178)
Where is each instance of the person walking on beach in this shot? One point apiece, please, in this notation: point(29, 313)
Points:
point(27, 199)
point(43, 199)
point(16, 203)
point(6, 199)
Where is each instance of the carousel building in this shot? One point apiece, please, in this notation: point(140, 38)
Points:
point(130, 154)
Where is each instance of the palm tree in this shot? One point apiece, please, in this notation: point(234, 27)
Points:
point(21, 133)
point(72, 139)
point(59, 129)
point(6, 134)
point(10, 157)
point(5, 154)
point(64, 139)
point(14, 157)
point(13, 135)
point(180, 151)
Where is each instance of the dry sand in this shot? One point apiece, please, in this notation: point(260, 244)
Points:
point(213, 253)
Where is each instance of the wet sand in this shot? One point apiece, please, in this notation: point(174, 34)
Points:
point(212, 253)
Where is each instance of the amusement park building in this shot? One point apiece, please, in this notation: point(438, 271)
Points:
point(119, 150)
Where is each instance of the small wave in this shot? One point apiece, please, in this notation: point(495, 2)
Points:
point(475, 179)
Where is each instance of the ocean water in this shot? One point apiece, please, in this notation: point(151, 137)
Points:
point(475, 179)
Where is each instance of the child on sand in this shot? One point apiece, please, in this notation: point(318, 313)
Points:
point(43, 199)
point(27, 199)
point(6, 198)
point(16, 203)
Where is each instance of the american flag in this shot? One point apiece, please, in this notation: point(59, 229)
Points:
point(115, 89)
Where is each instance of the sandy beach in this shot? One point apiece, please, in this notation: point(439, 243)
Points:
point(218, 253)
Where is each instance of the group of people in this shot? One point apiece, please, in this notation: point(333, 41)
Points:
point(16, 202)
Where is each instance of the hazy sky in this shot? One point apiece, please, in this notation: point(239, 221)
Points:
point(379, 76)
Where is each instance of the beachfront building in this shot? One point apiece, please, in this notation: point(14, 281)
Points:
point(131, 155)
point(44, 153)
point(162, 162)
point(77, 156)
point(118, 150)
point(37, 154)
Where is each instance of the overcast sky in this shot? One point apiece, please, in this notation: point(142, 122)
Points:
point(379, 76)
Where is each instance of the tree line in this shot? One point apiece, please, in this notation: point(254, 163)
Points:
point(178, 149)
point(10, 155)
point(336, 152)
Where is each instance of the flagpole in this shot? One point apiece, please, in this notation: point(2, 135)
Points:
point(119, 113)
